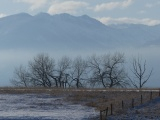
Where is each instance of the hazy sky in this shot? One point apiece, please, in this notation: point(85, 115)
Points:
point(107, 11)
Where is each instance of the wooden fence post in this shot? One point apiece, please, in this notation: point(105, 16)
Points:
point(111, 109)
point(101, 115)
point(151, 95)
point(122, 104)
point(106, 111)
point(132, 103)
point(141, 99)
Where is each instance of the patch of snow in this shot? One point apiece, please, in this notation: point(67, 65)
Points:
point(41, 107)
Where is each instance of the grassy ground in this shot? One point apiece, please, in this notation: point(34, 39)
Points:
point(100, 99)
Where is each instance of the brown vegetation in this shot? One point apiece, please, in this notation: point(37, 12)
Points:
point(98, 98)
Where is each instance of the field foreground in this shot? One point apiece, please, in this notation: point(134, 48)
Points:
point(41, 107)
point(77, 104)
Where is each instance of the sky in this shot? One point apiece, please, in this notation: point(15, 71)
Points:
point(107, 11)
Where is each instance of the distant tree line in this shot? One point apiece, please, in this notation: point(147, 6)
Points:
point(103, 71)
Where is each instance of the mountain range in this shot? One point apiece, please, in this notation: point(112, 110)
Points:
point(64, 31)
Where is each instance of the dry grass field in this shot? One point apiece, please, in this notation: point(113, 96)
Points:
point(100, 99)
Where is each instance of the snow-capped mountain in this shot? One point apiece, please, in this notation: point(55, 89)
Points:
point(64, 31)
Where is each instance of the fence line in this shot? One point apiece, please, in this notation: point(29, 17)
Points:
point(103, 117)
point(141, 99)
point(103, 111)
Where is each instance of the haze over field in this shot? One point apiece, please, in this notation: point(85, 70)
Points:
point(62, 28)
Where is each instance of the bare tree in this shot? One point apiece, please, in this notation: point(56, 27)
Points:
point(41, 70)
point(105, 71)
point(78, 72)
point(21, 77)
point(97, 71)
point(62, 71)
point(108, 70)
point(115, 71)
point(140, 73)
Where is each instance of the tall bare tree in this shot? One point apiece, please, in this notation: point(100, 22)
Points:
point(41, 68)
point(62, 71)
point(108, 70)
point(140, 73)
point(78, 72)
point(97, 71)
point(115, 71)
point(21, 77)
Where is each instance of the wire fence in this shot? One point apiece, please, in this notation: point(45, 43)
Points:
point(123, 105)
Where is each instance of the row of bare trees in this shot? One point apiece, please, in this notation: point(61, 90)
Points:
point(107, 71)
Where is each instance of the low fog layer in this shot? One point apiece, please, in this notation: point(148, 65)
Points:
point(10, 59)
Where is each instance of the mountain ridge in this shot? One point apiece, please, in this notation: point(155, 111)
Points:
point(64, 31)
